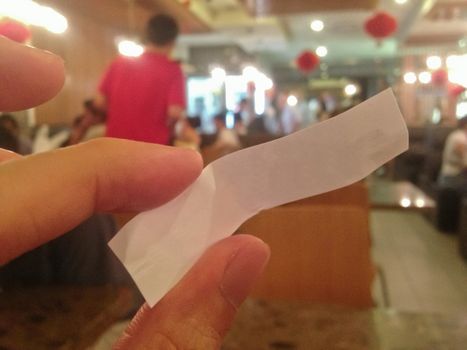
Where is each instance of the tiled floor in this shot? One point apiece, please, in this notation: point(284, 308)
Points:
point(422, 267)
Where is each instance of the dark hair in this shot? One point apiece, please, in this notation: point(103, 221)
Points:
point(8, 140)
point(8, 118)
point(195, 121)
point(96, 112)
point(161, 30)
point(462, 122)
point(220, 117)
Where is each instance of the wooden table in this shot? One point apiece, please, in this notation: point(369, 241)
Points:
point(400, 195)
point(264, 325)
point(59, 317)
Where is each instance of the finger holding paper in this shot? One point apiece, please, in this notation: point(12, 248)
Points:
point(45, 195)
point(55, 191)
point(199, 310)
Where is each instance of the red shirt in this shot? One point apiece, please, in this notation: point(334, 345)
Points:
point(139, 92)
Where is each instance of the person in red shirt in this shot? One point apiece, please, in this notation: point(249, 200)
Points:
point(145, 96)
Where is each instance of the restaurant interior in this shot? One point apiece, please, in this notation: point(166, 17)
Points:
point(380, 263)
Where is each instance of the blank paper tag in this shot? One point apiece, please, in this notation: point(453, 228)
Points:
point(159, 246)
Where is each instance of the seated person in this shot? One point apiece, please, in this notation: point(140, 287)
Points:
point(454, 165)
point(226, 142)
point(226, 139)
point(8, 140)
point(11, 124)
point(186, 135)
point(88, 125)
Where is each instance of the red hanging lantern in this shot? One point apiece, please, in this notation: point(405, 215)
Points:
point(15, 31)
point(439, 77)
point(381, 25)
point(307, 61)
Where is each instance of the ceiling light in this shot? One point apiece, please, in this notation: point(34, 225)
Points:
point(350, 89)
point(405, 202)
point(269, 84)
point(400, 2)
point(30, 12)
point(433, 62)
point(218, 74)
point(457, 69)
point(292, 100)
point(130, 48)
point(321, 51)
point(410, 78)
point(452, 61)
point(249, 73)
point(266, 82)
point(317, 25)
point(424, 77)
point(52, 20)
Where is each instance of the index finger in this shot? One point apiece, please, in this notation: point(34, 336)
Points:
point(28, 76)
point(45, 195)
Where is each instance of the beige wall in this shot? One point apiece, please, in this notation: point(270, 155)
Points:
point(87, 48)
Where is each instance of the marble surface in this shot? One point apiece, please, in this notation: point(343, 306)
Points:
point(65, 318)
point(301, 326)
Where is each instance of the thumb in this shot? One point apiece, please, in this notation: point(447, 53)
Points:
point(199, 310)
point(8, 155)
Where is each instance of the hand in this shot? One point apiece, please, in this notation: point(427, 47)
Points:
point(47, 194)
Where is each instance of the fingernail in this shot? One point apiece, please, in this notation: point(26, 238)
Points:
point(243, 271)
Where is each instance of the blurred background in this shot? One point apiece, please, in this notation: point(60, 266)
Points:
point(228, 43)
point(376, 265)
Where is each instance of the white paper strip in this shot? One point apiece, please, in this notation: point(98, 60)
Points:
point(159, 246)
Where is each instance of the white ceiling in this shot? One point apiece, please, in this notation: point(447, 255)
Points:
point(278, 40)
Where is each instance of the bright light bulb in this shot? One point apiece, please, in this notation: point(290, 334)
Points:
point(457, 69)
point(452, 61)
point(410, 78)
point(53, 21)
point(263, 82)
point(350, 89)
point(424, 77)
point(130, 48)
point(400, 2)
point(268, 84)
point(218, 74)
point(249, 73)
point(30, 12)
point(420, 202)
point(292, 100)
point(433, 62)
point(317, 25)
point(321, 51)
point(405, 202)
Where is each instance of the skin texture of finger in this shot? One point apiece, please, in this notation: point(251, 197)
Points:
point(29, 76)
point(199, 310)
point(8, 155)
point(45, 195)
